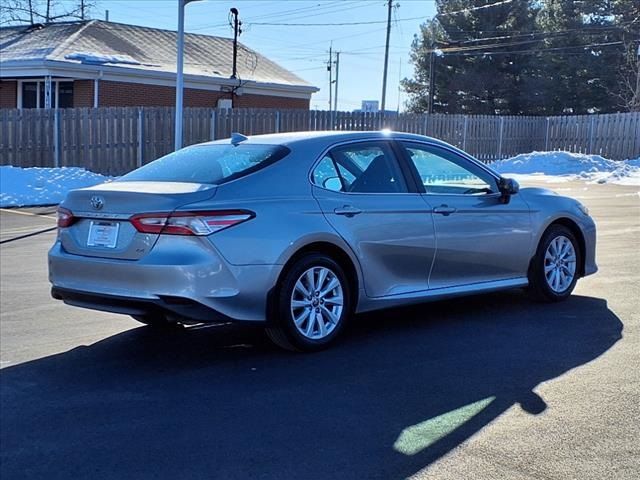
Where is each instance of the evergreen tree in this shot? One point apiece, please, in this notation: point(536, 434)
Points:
point(466, 81)
point(528, 57)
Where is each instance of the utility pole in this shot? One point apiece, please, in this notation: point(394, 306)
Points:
point(82, 10)
point(637, 102)
point(335, 97)
point(236, 32)
point(432, 78)
point(330, 70)
point(399, 86)
point(386, 55)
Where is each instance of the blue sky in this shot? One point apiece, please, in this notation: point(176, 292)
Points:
point(303, 49)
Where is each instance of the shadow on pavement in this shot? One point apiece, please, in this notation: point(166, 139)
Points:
point(404, 388)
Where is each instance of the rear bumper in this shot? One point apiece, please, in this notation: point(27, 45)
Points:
point(167, 306)
point(187, 278)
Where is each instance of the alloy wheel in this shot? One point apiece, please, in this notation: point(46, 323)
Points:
point(317, 302)
point(560, 264)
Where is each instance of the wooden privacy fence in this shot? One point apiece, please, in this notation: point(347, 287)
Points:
point(114, 140)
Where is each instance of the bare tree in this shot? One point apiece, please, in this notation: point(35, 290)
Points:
point(627, 91)
point(43, 11)
point(85, 7)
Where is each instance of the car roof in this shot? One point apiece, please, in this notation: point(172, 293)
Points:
point(296, 139)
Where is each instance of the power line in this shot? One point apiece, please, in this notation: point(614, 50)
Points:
point(527, 32)
point(373, 22)
point(540, 50)
point(276, 14)
point(471, 9)
point(284, 13)
point(583, 31)
point(329, 9)
point(481, 50)
point(397, 47)
point(486, 47)
point(335, 24)
point(317, 10)
point(307, 69)
point(369, 32)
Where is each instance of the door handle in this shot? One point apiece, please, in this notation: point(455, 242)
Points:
point(445, 210)
point(347, 210)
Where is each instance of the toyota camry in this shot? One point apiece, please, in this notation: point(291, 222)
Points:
point(299, 231)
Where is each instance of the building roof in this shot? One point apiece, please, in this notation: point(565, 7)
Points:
point(138, 50)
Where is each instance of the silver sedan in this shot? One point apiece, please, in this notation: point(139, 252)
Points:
point(300, 231)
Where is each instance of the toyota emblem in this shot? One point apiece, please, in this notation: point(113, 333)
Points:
point(97, 202)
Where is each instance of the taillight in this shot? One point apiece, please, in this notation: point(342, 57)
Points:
point(189, 223)
point(65, 217)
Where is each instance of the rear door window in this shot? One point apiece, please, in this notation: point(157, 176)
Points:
point(364, 167)
point(326, 175)
point(215, 164)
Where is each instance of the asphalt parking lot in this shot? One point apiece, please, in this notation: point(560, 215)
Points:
point(491, 387)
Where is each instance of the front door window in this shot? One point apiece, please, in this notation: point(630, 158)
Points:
point(444, 172)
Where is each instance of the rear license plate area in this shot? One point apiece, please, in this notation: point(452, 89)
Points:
point(103, 234)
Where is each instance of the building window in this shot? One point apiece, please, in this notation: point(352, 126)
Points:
point(65, 95)
point(30, 95)
point(33, 96)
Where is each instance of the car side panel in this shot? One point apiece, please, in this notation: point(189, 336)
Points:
point(392, 238)
point(483, 240)
point(547, 207)
point(278, 225)
point(187, 267)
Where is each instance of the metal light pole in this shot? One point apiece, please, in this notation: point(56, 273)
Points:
point(179, 73)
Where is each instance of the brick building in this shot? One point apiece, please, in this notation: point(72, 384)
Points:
point(103, 64)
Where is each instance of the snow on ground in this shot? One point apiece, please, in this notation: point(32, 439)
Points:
point(21, 187)
point(556, 167)
point(27, 187)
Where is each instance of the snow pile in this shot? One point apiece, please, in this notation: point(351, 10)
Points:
point(570, 166)
point(99, 58)
point(21, 187)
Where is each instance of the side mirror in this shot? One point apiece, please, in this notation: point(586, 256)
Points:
point(508, 187)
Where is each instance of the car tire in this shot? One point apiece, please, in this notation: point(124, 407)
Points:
point(156, 321)
point(312, 303)
point(555, 267)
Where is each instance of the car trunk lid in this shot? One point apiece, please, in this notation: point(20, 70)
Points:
point(101, 226)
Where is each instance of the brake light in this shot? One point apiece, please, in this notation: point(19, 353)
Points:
point(65, 217)
point(189, 223)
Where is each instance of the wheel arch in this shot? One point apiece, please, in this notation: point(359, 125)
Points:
point(333, 251)
point(575, 229)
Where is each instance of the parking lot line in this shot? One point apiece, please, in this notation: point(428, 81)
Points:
point(15, 231)
point(27, 235)
point(18, 212)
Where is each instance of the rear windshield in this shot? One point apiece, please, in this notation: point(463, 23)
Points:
point(208, 164)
